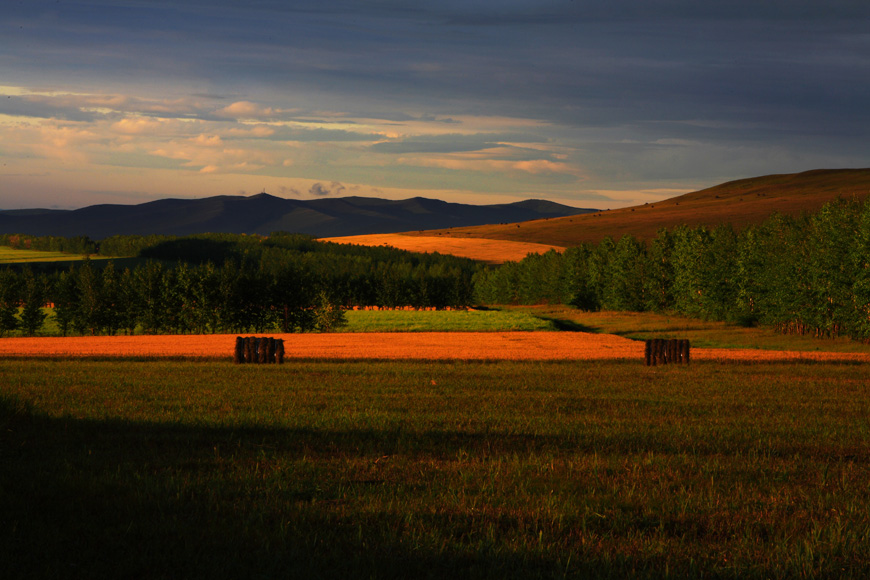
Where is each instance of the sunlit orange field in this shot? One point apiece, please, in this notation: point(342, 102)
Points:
point(485, 250)
point(394, 346)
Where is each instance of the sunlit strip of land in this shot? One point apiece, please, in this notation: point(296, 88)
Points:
point(528, 346)
point(17, 256)
point(485, 250)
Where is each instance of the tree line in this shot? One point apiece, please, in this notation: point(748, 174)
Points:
point(227, 283)
point(806, 275)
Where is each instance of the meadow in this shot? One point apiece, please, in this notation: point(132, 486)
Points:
point(448, 469)
point(10, 255)
point(701, 333)
point(471, 320)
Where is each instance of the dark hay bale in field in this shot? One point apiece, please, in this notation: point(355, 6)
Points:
point(269, 349)
point(251, 349)
point(653, 352)
point(684, 350)
point(673, 356)
point(262, 350)
point(279, 351)
point(239, 351)
point(659, 351)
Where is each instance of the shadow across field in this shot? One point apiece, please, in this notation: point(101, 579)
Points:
point(462, 470)
point(114, 499)
point(565, 325)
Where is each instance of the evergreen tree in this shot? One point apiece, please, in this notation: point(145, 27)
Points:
point(9, 299)
point(110, 298)
point(151, 286)
point(90, 311)
point(33, 294)
point(66, 299)
point(128, 305)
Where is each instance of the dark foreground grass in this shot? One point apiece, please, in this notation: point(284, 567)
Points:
point(413, 470)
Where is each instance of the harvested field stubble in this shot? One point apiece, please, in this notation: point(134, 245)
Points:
point(395, 346)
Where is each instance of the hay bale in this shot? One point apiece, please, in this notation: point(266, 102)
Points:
point(239, 351)
point(270, 350)
point(251, 349)
point(279, 351)
point(659, 351)
point(262, 350)
point(684, 350)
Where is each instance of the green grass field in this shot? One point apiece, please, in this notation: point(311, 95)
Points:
point(412, 470)
point(10, 255)
point(491, 320)
point(702, 333)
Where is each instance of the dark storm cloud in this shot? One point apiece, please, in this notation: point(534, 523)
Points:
point(733, 77)
point(577, 62)
point(22, 107)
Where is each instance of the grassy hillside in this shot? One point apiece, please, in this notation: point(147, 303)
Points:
point(742, 202)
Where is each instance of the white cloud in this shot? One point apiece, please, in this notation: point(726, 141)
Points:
point(139, 125)
point(244, 110)
point(489, 161)
point(207, 154)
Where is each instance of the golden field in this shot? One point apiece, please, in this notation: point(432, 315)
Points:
point(518, 346)
point(482, 249)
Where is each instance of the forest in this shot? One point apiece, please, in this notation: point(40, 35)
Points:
point(222, 283)
point(806, 275)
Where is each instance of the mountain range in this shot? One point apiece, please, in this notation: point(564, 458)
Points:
point(264, 213)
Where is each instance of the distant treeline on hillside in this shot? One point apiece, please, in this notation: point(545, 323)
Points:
point(223, 283)
point(808, 275)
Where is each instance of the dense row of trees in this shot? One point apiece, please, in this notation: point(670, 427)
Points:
point(808, 275)
point(78, 245)
point(229, 283)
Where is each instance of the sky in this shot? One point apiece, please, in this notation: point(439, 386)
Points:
point(591, 103)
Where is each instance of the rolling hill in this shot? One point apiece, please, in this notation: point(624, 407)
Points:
point(740, 203)
point(264, 213)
